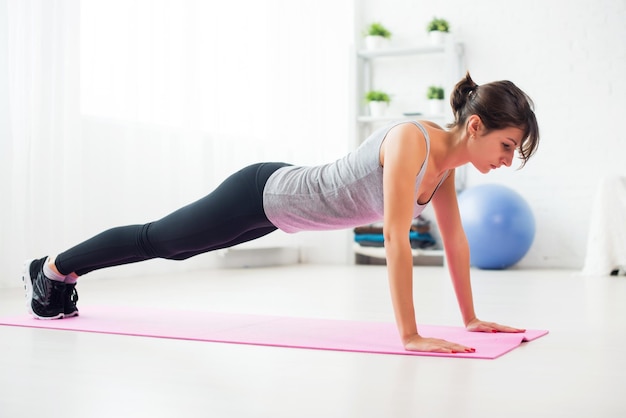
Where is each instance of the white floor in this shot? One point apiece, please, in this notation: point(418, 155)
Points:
point(578, 370)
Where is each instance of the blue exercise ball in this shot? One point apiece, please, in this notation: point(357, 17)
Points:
point(499, 225)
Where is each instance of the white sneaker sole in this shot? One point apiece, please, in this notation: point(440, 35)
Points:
point(28, 287)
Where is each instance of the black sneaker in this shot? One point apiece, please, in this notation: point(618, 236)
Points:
point(44, 297)
point(69, 302)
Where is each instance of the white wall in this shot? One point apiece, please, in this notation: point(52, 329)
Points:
point(570, 57)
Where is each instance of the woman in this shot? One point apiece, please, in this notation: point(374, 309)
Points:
point(392, 176)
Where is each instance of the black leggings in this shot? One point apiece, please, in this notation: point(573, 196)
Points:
point(231, 214)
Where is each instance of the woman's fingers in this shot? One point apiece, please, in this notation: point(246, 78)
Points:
point(506, 328)
point(482, 326)
point(435, 345)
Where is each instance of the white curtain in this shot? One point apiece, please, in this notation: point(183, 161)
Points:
point(266, 77)
point(41, 144)
point(119, 111)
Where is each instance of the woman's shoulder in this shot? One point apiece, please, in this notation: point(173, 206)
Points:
point(430, 124)
point(414, 129)
point(426, 125)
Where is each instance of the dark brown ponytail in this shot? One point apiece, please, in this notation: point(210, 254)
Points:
point(500, 104)
point(460, 95)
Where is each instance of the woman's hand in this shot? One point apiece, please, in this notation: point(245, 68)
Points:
point(434, 345)
point(476, 325)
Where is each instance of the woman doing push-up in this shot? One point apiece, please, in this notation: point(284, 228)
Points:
point(391, 177)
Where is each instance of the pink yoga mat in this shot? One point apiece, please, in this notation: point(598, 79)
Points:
point(321, 334)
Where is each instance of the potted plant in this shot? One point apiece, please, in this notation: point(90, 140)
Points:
point(437, 28)
point(376, 35)
point(435, 96)
point(377, 101)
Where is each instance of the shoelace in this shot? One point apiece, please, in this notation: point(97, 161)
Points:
point(57, 293)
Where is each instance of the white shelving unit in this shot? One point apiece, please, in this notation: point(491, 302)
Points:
point(450, 73)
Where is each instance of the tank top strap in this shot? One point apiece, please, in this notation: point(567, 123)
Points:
point(422, 171)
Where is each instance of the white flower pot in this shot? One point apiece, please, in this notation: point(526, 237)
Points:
point(437, 37)
point(435, 107)
point(375, 42)
point(377, 109)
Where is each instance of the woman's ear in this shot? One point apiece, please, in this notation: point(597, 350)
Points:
point(473, 125)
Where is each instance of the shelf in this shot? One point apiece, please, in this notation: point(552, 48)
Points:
point(379, 252)
point(394, 52)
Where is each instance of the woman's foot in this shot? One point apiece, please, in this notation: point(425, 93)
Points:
point(45, 298)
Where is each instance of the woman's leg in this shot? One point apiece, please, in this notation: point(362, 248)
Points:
point(233, 213)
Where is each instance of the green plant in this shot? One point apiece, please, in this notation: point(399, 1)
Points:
point(437, 24)
point(377, 96)
point(435, 93)
point(377, 29)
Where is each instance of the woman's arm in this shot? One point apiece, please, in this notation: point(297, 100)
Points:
point(455, 245)
point(403, 153)
point(402, 156)
point(458, 256)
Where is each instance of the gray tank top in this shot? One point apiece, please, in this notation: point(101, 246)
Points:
point(339, 195)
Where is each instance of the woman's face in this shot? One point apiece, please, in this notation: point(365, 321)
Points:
point(494, 149)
